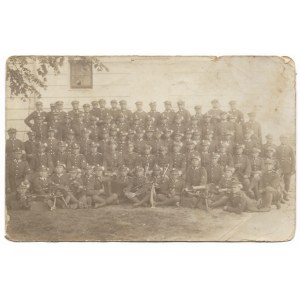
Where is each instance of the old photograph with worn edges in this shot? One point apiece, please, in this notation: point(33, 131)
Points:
point(135, 148)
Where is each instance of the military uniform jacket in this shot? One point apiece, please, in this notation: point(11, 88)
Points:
point(61, 157)
point(120, 183)
point(255, 126)
point(249, 145)
point(147, 161)
point(164, 161)
point(169, 115)
point(127, 114)
point(238, 201)
point(257, 164)
point(69, 143)
point(112, 161)
point(225, 159)
point(265, 146)
point(196, 176)
point(77, 128)
point(103, 146)
point(155, 115)
point(33, 117)
point(17, 169)
point(30, 148)
point(189, 155)
point(206, 127)
point(185, 114)
point(271, 179)
point(51, 147)
point(242, 165)
point(179, 161)
point(174, 188)
point(87, 119)
point(89, 182)
point(113, 114)
point(85, 146)
point(41, 130)
point(58, 126)
point(77, 188)
point(41, 186)
point(214, 173)
point(238, 114)
point(73, 114)
point(139, 145)
point(122, 146)
point(286, 157)
point(61, 179)
point(131, 160)
point(11, 145)
point(205, 159)
point(95, 159)
point(44, 159)
point(77, 161)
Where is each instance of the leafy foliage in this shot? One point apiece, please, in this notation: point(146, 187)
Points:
point(26, 76)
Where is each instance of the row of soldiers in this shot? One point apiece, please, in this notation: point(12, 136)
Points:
point(191, 161)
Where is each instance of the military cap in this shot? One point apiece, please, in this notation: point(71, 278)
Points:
point(147, 146)
point(229, 169)
point(232, 102)
point(94, 102)
point(205, 143)
point(11, 130)
point(189, 131)
point(191, 143)
point(167, 102)
point(98, 168)
point(180, 102)
point(18, 150)
point(86, 130)
point(138, 102)
point(70, 131)
point(283, 136)
point(255, 150)
point(152, 103)
point(239, 146)
point(59, 102)
point(123, 133)
point(163, 148)
point(93, 145)
point(52, 129)
point(198, 107)
point(252, 114)
point(43, 168)
point(196, 157)
point(123, 102)
point(131, 131)
point(39, 103)
point(102, 101)
point(215, 155)
point(75, 146)
point(269, 161)
point(214, 101)
point(30, 133)
point(156, 167)
point(61, 144)
point(178, 133)
point(60, 164)
point(123, 168)
point(140, 130)
point(176, 171)
point(207, 116)
point(269, 136)
point(271, 149)
point(94, 118)
point(86, 105)
point(177, 144)
point(73, 169)
point(75, 102)
point(52, 105)
point(235, 183)
point(113, 101)
point(89, 167)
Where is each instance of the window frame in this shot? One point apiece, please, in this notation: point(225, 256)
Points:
point(75, 87)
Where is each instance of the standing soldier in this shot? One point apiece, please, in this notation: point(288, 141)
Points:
point(130, 158)
point(12, 143)
point(269, 143)
point(40, 128)
point(49, 116)
point(30, 147)
point(51, 142)
point(59, 107)
point(227, 140)
point(286, 156)
point(250, 141)
point(242, 167)
point(140, 112)
point(147, 159)
point(149, 136)
point(125, 112)
point(73, 114)
point(31, 120)
point(61, 155)
point(104, 113)
point(179, 124)
point(56, 125)
point(70, 141)
point(178, 158)
point(207, 126)
point(198, 113)
point(114, 110)
point(153, 113)
point(190, 152)
point(239, 116)
point(163, 159)
point(78, 125)
point(184, 113)
point(76, 159)
point(215, 112)
point(121, 123)
point(17, 170)
point(95, 111)
point(95, 132)
point(139, 142)
point(86, 115)
point(42, 159)
point(214, 170)
point(225, 158)
point(187, 138)
point(164, 123)
point(94, 158)
point(85, 142)
point(113, 158)
point(254, 125)
point(168, 113)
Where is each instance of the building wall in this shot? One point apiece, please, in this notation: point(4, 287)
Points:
point(257, 83)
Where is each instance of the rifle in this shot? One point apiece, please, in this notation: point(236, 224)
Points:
point(198, 191)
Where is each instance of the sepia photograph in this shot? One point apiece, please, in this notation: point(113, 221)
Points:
point(150, 148)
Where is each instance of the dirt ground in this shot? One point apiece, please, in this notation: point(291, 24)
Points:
point(124, 223)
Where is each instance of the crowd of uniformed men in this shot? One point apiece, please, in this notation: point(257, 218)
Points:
point(97, 156)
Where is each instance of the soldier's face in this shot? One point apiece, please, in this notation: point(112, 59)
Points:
point(168, 134)
point(17, 155)
point(270, 153)
point(283, 141)
point(157, 134)
point(86, 135)
point(140, 135)
point(164, 152)
point(59, 106)
point(168, 106)
point(177, 138)
point(114, 105)
point(147, 150)
point(31, 137)
point(86, 109)
point(235, 189)
point(123, 106)
point(205, 147)
point(43, 174)
point(180, 106)
point(113, 147)
point(233, 106)
point(75, 106)
point(214, 161)
point(105, 136)
point(195, 162)
point(59, 169)
point(12, 135)
point(269, 167)
point(39, 107)
point(139, 107)
point(228, 174)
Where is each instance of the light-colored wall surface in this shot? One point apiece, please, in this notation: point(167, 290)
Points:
point(264, 84)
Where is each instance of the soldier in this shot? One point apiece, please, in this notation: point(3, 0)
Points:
point(227, 140)
point(286, 157)
point(101, 197)
point(30, 147)
point(70, 141)
point(12, 143)
point(168, 113)
point(73, 114)
point(66, 127)
point(104, 113)
point(31, 120)
point(42, 159)
point(78, 125)
point(140, 113)
point(215, 112)
point(254, 125)
point(207, 126)
point(40, 128)
point(204, 153)
point(242, 167)
point(41, 185)
point(184, 113)
point(113, 132)
point(196, 137)
point(113, 158)
point(213, 143)
point(121, 182)
point(114, 110)
point(157, 141)
point(122, 124)
point(163, 159)
point(76, 159)
point(153, 113)
point(225, 158)
point(167, 139)
point(103, 143)
point(149, 136)
point(125, 112)
point(139, 142)
point(86, 115)
point(237, 199)
point(198, 113)
point(239, 116)
point(194, 124)
point(178, 158)
point(122, 142)
point(269, 188)
point(223, 126)
point(250, 141)
point(95, 131)
point(17, 170)
point(164, 123)
point(130, 158)
point(61, 155)
point(55, 123)
point(150, 122)
point(137, 189)
point(49, 116)
point(177, 138)
point(171, 194)
point(59, 107)
point(94, 158)
point(85, 142)
point(270, 154)
point(95, 111)
point(131, 136)
point(51, 142)
point(214, 170)
point(190, 152)
point(269, 143)
point(179, 125)
point(147, 159)
point(236, 128)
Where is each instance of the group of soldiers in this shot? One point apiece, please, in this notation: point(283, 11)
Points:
point(100, 156)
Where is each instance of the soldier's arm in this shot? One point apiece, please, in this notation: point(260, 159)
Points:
point(28, 120)
point(203, 180)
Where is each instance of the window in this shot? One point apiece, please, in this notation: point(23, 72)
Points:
point(81, 74)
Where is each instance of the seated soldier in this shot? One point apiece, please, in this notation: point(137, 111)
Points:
point(196, 184)
point(171, 193)
point(61, 154)
point(225, 158)
point(75, 159)
point(120, 182)
point(178, 158)
point(112, 159)
point(130, 158)
point(94, 158)
point(163, 159)
point(77, 191)
point(89, 183)
point(147, 159)
point(214, 170)
point(102, 196)
point(51, 142)
point(137, 190)
point(219, 193)
point(42, 159)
